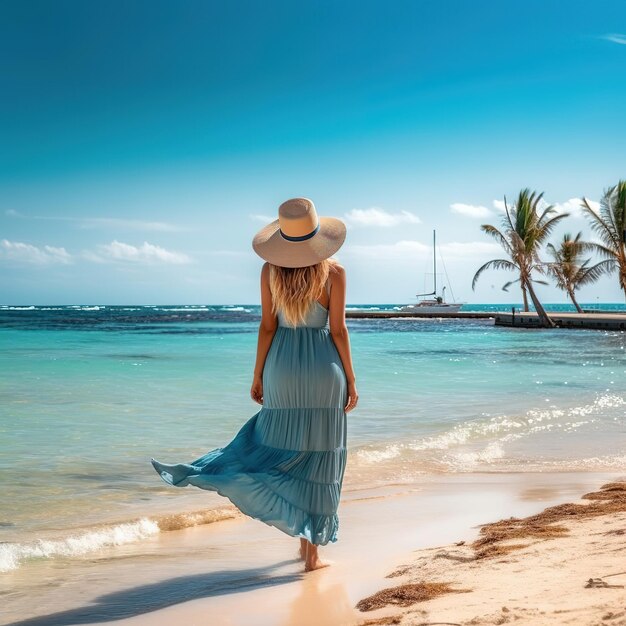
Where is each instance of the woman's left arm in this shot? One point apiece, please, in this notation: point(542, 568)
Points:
point(267, 329)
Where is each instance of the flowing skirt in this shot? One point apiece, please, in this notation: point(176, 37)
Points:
point(285, 466)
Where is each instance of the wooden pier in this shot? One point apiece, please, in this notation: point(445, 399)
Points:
point(595, 321)
point(476, 315)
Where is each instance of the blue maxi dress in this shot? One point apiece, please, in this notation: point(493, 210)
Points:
point(286, 464)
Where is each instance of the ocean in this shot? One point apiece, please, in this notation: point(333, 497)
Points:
point(89, 393)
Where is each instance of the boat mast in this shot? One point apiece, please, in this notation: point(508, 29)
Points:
point(432, 293)
point(434, 264)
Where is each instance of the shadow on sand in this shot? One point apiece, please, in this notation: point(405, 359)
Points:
point(146, 598)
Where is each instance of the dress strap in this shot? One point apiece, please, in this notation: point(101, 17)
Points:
point(328, 286)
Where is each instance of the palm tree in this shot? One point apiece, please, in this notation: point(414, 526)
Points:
point(524, 229)
point(610, 224)
point(569, 269)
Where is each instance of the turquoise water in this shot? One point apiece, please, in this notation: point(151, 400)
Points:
point(89, 394)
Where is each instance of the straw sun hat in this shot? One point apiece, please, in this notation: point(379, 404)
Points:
point(299, 237)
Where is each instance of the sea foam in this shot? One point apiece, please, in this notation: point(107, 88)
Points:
point(456, 447)
point(13, 554)
point(93, 540)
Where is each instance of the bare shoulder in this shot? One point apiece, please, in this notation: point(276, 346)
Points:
point(265, 276)
point(337, 272)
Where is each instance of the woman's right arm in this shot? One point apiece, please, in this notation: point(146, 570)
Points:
point(267, 329)
point(339, 332)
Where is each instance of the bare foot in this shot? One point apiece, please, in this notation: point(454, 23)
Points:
point(317, 564)
point(303, 548)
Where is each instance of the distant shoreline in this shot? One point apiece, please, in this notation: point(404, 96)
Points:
point(468, 307)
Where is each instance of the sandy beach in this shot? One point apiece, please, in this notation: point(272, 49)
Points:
point(241, 572)
point(565, 565)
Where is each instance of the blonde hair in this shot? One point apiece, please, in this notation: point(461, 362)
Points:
point(295, 289)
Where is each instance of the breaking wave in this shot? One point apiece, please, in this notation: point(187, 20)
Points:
point(95, 539)
point(483, 442)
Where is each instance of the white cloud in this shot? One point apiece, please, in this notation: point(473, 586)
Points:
point(469, 249)
point(499, 205)
point(146, 253)
point(571, 206)
point(363, 217)
point(125, 224)
point(27, 253)
point(408, 250)
point(262, 218)
point(470, 210)
point(379, 217)
point(103, 222)
point(616, 38)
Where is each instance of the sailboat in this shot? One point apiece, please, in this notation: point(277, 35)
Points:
point(437, 304)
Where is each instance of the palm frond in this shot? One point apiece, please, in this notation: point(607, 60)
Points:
point(497, 235)
point(619, 208)
point(554, 253)
point(546, 228)
point(506, 286)
point(602, 223)
point(547, 211)
point(507, 220)
point(592, 274)
point(496, 264)
point(602, 250)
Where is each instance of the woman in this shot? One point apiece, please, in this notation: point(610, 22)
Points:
point(286, 464)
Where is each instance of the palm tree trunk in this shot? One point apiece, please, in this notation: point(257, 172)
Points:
point(573, 299)
point(544, 320)
point(525, 296)
point(620, 259)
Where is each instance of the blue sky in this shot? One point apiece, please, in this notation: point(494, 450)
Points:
point(144, 143)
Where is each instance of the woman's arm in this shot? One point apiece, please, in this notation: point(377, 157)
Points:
point(267, 329)
point(339, 331)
